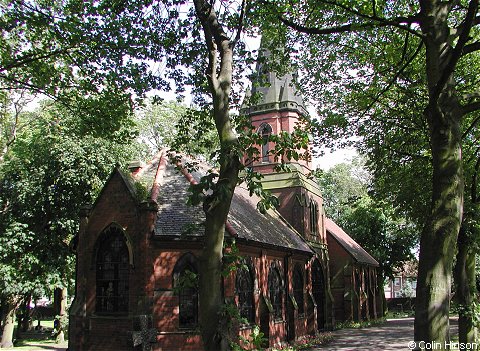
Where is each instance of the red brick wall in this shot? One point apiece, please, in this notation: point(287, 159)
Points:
point(151, 280)
point(340, 265)
point(116, 206)
point(295, 208)
point(353, 300)
point(284, 121)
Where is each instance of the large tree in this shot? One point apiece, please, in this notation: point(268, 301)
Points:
point(342, 186)
point(107, 51)
point(468, 241)
point(46, 176)
point(68, 50)
point(170, 124)
point(442, 34)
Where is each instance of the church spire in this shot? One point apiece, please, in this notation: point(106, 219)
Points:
point(272, 91)
point(274, 106)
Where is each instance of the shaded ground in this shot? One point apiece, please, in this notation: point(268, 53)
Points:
point(40, 346)
point(394, 334)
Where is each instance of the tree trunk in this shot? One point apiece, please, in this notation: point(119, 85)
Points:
point(24, 316)
point(439, 235)
point(437, 245)
point(27, 320)
point(465, 287)
point(8, 326)
point(213, 320)
point(60, 303)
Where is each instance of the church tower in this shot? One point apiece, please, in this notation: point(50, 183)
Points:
point(278, 107)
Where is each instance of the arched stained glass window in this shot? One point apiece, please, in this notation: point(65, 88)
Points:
point(275, 292)
point(298, 288)
point(265, 131)
point(244, 289)
point(112, 270)
point(185, 283)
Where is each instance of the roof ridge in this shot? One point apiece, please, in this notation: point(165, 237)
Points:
point(162, 165)
point(137, 174)
point(338, 232)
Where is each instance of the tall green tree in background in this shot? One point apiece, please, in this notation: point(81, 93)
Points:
point(170, 124)
point(50, 171)
point(342, 186)
point(419, 49)
point(12, 106)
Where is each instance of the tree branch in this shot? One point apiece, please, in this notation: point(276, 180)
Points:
point(204, 12)
point(351, 27)
point(32, 58)
point(395, 77)
point(375, 18)
point(26, 85)
point(241, 20)
point(454, 31)
point(219, 45)
point(471, 96)
point(468, 49)
point(371, 22)
point(458, 49)
point(474, 106)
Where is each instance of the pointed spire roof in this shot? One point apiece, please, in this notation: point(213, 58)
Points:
point(271, 91)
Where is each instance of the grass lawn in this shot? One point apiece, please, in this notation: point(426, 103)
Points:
point(38, 340)
point(46, 324)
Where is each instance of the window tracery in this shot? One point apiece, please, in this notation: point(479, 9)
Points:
point(185, 283)
point(313, 217)
point(275, 292)
point(265, 131)
point(112, 273)
point(244, 285)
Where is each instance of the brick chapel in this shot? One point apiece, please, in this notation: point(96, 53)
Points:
point(303, 273)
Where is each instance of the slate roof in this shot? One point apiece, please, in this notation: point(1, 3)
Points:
point(270, 228)
point(350, 245)
point(174, 215)
point(246, 223)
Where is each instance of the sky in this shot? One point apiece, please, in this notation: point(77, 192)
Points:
point(330, 159)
